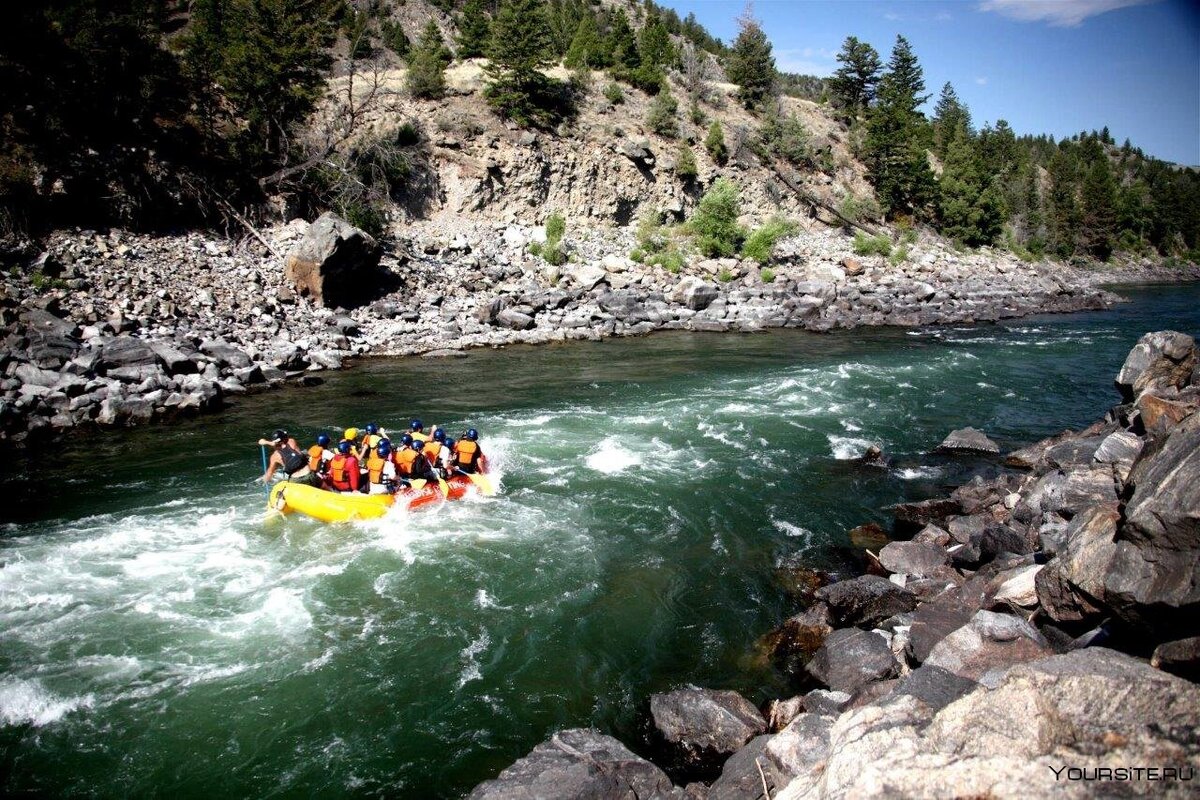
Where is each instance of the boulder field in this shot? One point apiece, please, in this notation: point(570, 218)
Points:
point(112, 328)
point(1033, 635)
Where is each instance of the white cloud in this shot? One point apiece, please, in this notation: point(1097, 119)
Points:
point(817, 61)
point(1060, 13)
point(982, 81)
point(891, 16)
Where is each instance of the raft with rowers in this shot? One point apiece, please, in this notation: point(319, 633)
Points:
point(364, 476)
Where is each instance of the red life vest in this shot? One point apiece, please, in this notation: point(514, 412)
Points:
point(343, 473)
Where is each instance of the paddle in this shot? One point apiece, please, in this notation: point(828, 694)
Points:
point(263, 449)
point(483, 483)
point(445, 487)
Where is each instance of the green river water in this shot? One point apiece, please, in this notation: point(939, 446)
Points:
point(157, 639)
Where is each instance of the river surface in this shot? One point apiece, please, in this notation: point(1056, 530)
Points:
point(157, 638)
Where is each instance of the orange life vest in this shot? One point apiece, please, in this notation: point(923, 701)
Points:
point(375, 467)
point(314, 457)
point(404, 460)
point(466, 452)
point(431, 450)
point(340, 470)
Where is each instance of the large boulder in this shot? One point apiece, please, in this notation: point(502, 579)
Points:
point(1014, 737)
point(989, 641)
point(578, 763)
point(743, 775)
point(865, 601)
point(1160, 360)
point(1152, 579)
point(694, 293)
point(699, 728)
point(851, 659)
point(335, 263)
point(912, 558)
point(1071, 586)
point(126, 351)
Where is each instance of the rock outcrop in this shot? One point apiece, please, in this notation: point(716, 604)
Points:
point(335, 263)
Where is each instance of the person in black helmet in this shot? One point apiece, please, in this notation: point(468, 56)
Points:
point(287, 456)
point(467, 454)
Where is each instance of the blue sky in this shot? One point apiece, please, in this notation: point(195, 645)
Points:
point(1045, 66)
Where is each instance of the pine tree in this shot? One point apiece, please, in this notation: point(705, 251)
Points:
point(685, 164)
point(1098, 220)
point(1062, 208)
point(853, 84)
point(427, 64)
point(1034, 234)
point(394, 38)
point(895, 150)
point(587, 51)
point(948, 114)
point(654, 44)
point(474, 30)
point(519, 50)
point(750, 64)
point(621, 43)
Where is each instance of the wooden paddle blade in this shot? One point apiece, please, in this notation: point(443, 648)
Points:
point(483, 484)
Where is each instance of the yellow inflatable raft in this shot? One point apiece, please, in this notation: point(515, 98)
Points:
point(328, 506)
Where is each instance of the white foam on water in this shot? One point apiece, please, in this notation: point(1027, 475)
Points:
point(849, 426)
point(612, 457)
point(917, 473)
point(28, 702)
point(845, 448)
point(484, 600)
point(471, 671)
point(791, 529)
point(282, 613)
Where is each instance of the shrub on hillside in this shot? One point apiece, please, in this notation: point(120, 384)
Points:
point(714, 143)
point(871, 245)
point(715, 222)
point(760, 245)
point(685, 164)
point(663, 116)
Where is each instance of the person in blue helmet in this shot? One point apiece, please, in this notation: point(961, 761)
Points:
point(381, 471)
point(319, 455)
point(416, 429)
point(467, 453)
point(444, 458)
point(370, 439)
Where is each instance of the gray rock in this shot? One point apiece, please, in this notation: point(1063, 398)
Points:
point(31, 375)
point(514, 320)
point(968, 440)
point(1071, 586)
point(700, 728)
point(934, 686)
point(587, 276)
point(335, 263)
point(912, 558)
point(826, 702)
point(127, 351)
point(912, 517)
point(694, 293)
point(743, 774)
point(795, 641)
point(578, 763)
point(175, 360)
point(1152, 576)
point(43, 322)
point(989, 641)
point(1180, 657)
point(1160, 360)
point(1121, 447)
point(865, 601)
point(850, 659)
point(226, 355)
point(802, 745)
point(938, 618)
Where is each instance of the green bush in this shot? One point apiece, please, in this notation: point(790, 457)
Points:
point(785, 138)
point(715, 221)
point(650, 234)
point(685, 165)
point(614, 94)
point(856, 210)
point(766, 275)
point(535, 248)
point(663, 116)
point(363, 215)
point(725, 277)
point(670, 259)
point(556, 226)
point(715, 143)
point(870, 245)
point(761, 243)
point(899, 256)
point(637, 254)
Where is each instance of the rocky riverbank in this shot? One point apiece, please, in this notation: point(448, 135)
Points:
point(1033, 634)
point(112, 329)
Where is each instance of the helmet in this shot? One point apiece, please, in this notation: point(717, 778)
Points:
point(416, 446)
point(372, 428)
point(384, 442)
point(416, 425)
point(439, 435)
point(406, 440)
point(280, 435)
point(384, 448)
point(344, 448)
point(323, 439)
point(350, 434)
point(472, 434)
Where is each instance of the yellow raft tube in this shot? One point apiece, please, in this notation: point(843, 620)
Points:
point(328, 506)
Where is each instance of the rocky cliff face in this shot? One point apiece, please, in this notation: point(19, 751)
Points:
point(998, 653)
